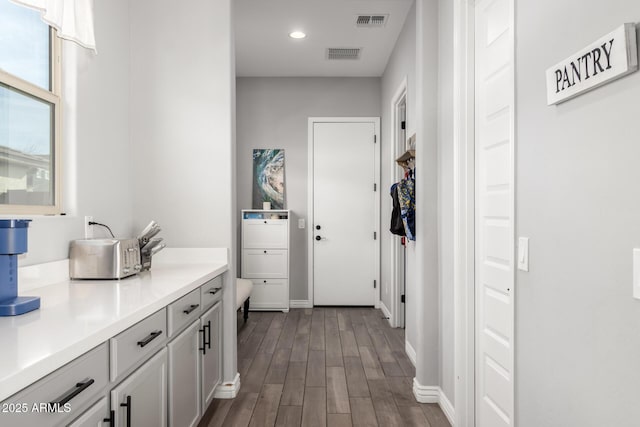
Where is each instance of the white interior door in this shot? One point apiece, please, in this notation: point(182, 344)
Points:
point(494, 53)
point(344, 213)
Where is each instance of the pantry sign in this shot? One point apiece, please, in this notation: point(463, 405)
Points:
point(611, 57)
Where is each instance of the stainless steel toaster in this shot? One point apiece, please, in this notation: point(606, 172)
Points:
point(104, 258)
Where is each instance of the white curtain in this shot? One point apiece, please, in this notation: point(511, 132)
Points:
point(72, 18)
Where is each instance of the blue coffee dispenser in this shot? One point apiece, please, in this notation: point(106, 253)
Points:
point(13, 242)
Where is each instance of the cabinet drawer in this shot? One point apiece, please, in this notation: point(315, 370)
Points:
point(73, 387)
point(183, 311)
point(211, 292)
point(266, 264)
point(270, 294)
point(265, 233)
point(137, 343)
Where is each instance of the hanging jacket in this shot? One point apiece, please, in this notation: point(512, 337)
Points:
point(397, 225)
point(407, 199)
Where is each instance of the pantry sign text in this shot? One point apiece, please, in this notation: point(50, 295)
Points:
point(611, 57)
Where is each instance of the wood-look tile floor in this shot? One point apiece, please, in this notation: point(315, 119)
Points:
point(322, 367)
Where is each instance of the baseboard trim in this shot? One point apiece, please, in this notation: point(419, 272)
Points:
point(425, 393)
point(447, 408)
point(411, 353)
point(434, 394)
point(228, 390)
point(386, 313)
point(300, 303)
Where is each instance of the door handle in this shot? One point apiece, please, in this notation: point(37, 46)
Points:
point(128, 406)
point(318, 238)
point(318, 227)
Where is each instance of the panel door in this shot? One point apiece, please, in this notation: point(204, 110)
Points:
point(184, 377)
point(265, 233)
point(344, 213)
point(142, 396)
point(494, 213)
point(96, 416)
point(267, 263)
point(269, 294)
point(212, 357)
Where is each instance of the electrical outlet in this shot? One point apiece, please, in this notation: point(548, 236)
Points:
point(301, 223)
point(88, 229)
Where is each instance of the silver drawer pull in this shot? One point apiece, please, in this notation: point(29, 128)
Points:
point(152, 336)
point(191, 308)
point(79, 388)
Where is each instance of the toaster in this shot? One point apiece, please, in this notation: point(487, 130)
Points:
point(104, 258)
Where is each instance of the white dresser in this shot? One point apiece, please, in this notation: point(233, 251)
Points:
point(265, 257)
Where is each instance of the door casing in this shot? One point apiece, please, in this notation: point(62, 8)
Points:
point(310, 222)
point(464, 209)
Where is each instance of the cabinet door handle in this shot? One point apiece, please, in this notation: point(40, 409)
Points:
point(204, 341)
point(111, 420)
point(214, 291)
point(152, 336)
point(128, 406)
point(208, 325)
point(191, 308)
point(79, 388)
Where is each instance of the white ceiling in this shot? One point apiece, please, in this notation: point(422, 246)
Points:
point(264, 48)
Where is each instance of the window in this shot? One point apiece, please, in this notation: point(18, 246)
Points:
point(29, 113)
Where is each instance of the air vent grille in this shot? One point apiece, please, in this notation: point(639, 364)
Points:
point(343, 53)
point(371, 21)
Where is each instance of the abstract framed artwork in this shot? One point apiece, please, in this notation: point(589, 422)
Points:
point(268, 177)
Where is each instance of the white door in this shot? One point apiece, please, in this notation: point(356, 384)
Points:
point(345, 223)
point(184, 376)
point(141, 399)
point(212, 356)
point(494, 53)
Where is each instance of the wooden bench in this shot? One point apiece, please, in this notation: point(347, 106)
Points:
point(243, 294)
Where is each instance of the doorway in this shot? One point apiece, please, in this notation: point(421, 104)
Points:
point(398, 249)
point(344, 211)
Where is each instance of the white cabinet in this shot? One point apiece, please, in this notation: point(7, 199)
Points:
point(194, 368)
point(141, 399)
point(211, 356)
point(184, 376)
point(265, 257)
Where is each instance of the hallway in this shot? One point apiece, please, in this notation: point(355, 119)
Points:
point(323, 367)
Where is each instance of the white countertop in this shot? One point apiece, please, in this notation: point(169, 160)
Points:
point(75, 316)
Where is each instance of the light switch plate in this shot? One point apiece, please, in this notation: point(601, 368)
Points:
point(301, 223)
point(523, 253)
point(636, 273)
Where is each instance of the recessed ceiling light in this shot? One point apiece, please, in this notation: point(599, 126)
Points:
point(297, 35)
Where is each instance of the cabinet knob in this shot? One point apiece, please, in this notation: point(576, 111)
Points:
point(318, 227)
point(265, 252)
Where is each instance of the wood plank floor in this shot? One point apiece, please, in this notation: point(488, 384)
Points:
point(322, 367)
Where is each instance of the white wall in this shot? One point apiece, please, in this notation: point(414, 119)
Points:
point(182, 118)
point(95, 139)
point(427, 292)
point(445, 195)
point(401, 65)
point(577, 345)
point(273, 112)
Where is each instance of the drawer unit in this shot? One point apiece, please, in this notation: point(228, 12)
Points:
point(183, 311)
point(137, 343)
point(265, 257)
point(211, 292)
point(265, 263)
point(267, 233)
point(270, 293)
point(62, 395)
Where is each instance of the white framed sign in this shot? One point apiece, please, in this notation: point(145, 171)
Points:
point(609, 58)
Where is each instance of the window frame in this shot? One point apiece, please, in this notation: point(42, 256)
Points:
point(53, 97)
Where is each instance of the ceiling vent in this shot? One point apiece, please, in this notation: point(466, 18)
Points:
point(371, 21)
point(343, 53)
